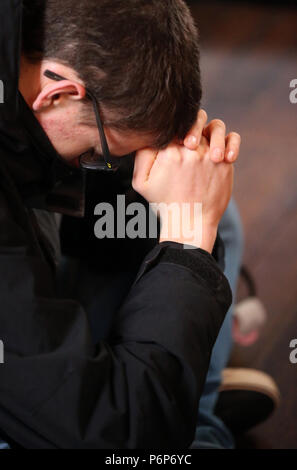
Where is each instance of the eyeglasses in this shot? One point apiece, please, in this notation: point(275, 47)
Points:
point(91, 160)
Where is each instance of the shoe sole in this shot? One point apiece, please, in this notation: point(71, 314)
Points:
point(250, 380)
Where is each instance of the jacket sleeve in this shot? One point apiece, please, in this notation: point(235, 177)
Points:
point(139, 389)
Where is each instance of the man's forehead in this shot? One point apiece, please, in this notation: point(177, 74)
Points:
point(122, 143)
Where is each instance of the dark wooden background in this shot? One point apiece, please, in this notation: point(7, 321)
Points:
point(249, 57)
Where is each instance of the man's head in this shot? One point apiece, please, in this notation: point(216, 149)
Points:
point(140, 58)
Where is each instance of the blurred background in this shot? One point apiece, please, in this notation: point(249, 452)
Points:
point(248, 59)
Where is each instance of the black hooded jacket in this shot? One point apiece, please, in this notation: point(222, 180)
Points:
point(139, 387)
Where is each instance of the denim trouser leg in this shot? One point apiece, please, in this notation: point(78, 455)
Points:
point(211, 432)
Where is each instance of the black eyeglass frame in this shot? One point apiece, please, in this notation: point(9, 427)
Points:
point(107, 164)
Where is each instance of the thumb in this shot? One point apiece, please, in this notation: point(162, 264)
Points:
point(144, 161)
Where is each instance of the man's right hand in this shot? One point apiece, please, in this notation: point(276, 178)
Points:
point(179, 175)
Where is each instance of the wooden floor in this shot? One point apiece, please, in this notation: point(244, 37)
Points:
point(249, 57)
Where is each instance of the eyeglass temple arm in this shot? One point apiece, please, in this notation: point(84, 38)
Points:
point(105, 148)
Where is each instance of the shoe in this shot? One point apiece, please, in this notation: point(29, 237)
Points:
point(247, 398)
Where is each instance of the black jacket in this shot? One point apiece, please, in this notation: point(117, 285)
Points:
point(140, 387)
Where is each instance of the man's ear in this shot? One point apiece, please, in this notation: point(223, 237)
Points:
point(52, 93)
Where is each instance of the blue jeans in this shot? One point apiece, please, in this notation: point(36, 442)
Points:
point(211, 433)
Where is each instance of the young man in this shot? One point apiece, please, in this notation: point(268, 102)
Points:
point(135, 66)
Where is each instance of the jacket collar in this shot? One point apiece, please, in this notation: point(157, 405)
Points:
point(42, 178)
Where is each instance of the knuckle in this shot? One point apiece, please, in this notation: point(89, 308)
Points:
point(172, 156)
point(176, 157)
point(135, 184)
point(190, 158)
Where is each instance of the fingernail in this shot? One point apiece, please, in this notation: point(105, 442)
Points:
point(218, 154)
point(230, 156)
point(192, 140)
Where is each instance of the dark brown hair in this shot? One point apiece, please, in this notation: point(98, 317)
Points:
point(139, 57)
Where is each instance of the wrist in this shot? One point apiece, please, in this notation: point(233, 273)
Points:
point(209, 236)
point(188, 227)
point(205, 241)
